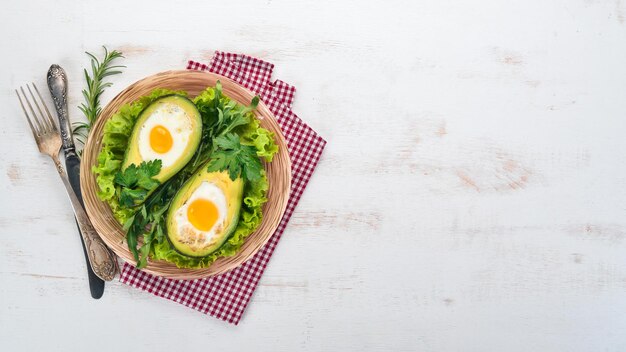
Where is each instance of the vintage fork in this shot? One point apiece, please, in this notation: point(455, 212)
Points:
point(103, 262)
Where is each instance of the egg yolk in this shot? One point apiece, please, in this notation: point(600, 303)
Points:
point(202, 214)
point(160, 139)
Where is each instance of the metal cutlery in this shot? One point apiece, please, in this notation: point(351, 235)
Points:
point(57, 84)
point(46, 134)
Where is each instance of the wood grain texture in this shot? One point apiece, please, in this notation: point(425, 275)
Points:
point(470, 198)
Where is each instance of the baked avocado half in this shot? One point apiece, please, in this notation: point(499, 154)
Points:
point(204, 213)
point(168, 129)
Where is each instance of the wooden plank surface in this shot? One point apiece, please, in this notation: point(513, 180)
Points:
point(471, 197)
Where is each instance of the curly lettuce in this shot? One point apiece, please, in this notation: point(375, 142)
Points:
point(260, 138)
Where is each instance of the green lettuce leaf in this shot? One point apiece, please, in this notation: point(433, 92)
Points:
point(262, 139)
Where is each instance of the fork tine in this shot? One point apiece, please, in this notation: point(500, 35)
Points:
point(32, 128)
point(40, 128)
point(41, 117)
point(54, 126)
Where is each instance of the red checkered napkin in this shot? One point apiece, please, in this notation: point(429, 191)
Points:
point(226, 296)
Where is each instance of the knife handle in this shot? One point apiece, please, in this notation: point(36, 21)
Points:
point(57, 83)
point(72, 167)
point(102, 260)
point(96, 284)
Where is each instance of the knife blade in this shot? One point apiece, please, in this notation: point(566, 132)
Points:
point(57, 84)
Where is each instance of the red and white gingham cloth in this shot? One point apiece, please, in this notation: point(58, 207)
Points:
point(226, 296)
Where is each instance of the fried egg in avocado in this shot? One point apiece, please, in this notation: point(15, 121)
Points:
point(168, 129)
point(204, 213)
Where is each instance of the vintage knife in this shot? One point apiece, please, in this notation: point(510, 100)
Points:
point(57, 83)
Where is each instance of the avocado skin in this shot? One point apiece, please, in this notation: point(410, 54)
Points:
point(234, 196)
point(132, 156)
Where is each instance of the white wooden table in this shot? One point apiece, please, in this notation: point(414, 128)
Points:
point(472, 196)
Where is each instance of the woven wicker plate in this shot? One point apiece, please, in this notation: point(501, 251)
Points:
point(278, 173)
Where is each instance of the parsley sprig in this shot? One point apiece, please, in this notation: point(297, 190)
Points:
point(136, 182)
point(237, 159)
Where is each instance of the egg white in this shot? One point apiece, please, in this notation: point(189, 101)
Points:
point(176, 120)
point(188, 233)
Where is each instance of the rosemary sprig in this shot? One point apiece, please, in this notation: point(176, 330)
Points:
point(95, 87)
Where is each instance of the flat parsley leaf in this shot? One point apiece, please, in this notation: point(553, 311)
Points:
point(129, 195)
point(137, 181)
point(237, 159)
point(128, 178)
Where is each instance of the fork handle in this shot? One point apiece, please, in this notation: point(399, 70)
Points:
point(103, 262)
